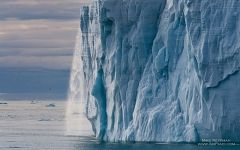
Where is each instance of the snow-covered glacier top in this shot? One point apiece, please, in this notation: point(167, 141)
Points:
point(162, 70)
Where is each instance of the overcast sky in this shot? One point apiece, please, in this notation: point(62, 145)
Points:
point(39, 36)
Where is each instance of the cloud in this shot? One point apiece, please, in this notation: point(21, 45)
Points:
point(25, 43)
point(29, 81)
point(41, 9)
point(38, 33)
point(46, 62)
point(37, 40)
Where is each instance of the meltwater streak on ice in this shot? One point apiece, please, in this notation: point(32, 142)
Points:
point(76, 122)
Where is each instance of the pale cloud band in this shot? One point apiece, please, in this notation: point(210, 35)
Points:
point(41, 9)
point(33, 62)
point(38, 33)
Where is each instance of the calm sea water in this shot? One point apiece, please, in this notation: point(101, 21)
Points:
point(26, 125)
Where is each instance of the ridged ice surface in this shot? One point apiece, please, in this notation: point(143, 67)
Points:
point(162, 70)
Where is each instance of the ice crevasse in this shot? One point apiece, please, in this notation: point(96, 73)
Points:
point(161, 70)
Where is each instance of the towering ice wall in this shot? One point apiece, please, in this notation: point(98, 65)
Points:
point(162, 70)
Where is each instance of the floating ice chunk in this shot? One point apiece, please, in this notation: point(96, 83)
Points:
point(51, 105)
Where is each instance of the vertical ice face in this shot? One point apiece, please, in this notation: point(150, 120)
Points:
point(162, 70)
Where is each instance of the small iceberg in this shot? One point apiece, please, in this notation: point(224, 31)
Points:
point(33, 102)
point(11, 116)
point(3, 103)
point(43, 119)
point(51, 105)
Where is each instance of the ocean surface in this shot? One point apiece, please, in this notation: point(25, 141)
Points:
point(40, 125)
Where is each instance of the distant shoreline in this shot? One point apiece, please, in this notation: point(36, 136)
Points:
point(33, 96)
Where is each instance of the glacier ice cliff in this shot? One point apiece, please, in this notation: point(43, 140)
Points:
point(162, 70)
